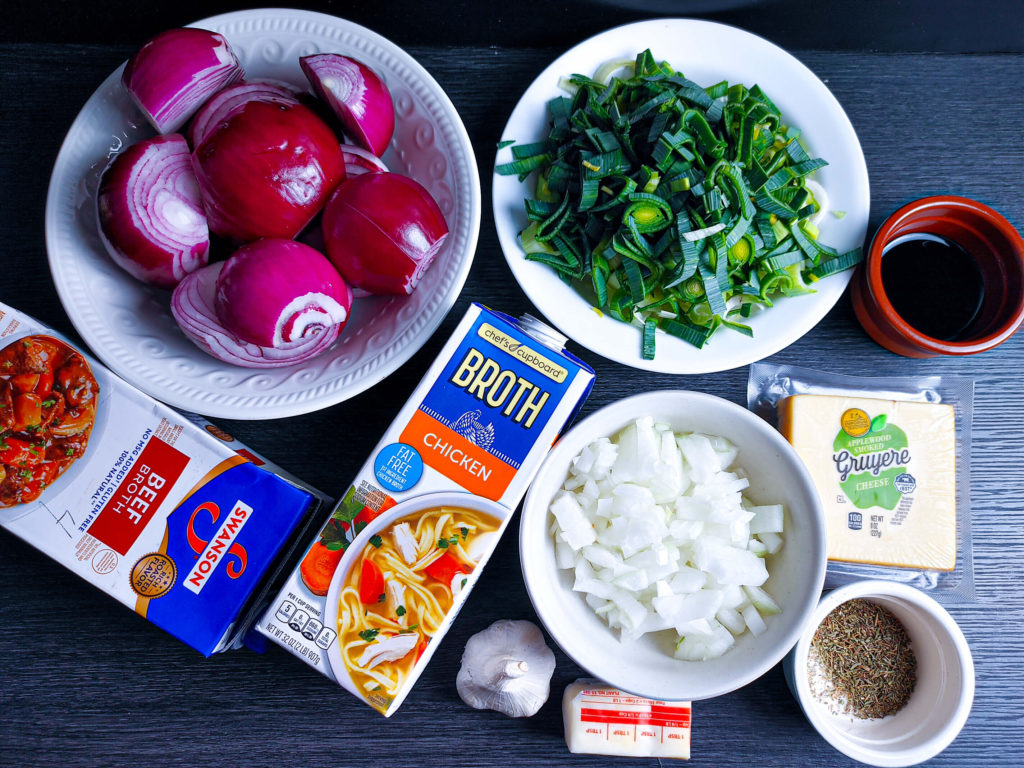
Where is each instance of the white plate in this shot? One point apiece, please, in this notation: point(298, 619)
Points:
point(706, 53)
point(129, 325)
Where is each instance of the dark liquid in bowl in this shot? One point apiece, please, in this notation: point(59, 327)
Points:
point(934, 284)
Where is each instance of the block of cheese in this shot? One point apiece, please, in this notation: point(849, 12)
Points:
point(605, 721)
point(886, 474)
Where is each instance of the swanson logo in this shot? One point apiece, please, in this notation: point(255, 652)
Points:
point(221, 545)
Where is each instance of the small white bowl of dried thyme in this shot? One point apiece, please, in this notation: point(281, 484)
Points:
point(883, 673)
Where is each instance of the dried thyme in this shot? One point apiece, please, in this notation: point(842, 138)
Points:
point(866, 664)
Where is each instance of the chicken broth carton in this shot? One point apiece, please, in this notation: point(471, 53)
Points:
point(170, 517)
point(379, 586)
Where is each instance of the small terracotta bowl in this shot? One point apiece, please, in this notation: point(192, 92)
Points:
point(985, 234)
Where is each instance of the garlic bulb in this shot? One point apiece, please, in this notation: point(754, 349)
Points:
point(507, 667)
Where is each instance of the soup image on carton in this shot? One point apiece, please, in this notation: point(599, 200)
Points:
point(48, 397)
point(397, 583)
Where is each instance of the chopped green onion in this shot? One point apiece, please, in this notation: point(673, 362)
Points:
point(676, 206)
point(647, 351)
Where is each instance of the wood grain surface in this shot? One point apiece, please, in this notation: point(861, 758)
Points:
point(85, 682)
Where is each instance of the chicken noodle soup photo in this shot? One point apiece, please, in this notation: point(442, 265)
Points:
point(48, 397)
point(397, 584)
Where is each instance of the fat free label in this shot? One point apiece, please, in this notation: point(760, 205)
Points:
point(869, 455)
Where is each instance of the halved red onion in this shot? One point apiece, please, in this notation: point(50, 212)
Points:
point(230, 100)
point(174, 73)
point(358, 161)
point(150, 213)
point(274, 292)
point(356, 94)
point(267, 170)
point(382, 231)
point(192, 305)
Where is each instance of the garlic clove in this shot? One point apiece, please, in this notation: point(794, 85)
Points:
point(507, 667)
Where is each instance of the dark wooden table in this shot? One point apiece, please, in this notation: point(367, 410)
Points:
point(933, 90)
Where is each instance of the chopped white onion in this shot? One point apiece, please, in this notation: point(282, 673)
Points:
point(660, 537)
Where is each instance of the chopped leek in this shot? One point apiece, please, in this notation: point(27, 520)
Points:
point(677, 207)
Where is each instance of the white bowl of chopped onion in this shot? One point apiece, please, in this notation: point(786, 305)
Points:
point(673, 545)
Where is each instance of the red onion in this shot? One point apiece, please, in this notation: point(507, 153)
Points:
point(192, 305)
point(150, 213)
point(358, 161)
point(267, 170)
point(275, 292)
point(382, 230)
point(356, 94)
point(227, 102)
point(175, 72)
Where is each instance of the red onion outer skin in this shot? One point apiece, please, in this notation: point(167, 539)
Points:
point(274, 292)
point(356, 94)
point(267, 170)
point(359, 161)
point(171, 76)
point(382, 230)
point(192, 305)
point(230, 100)
point(150, 212)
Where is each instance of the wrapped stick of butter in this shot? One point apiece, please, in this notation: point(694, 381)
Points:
point(600, 720)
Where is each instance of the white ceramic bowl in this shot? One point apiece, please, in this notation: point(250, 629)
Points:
point(129, 325)
point(399, 511)
point(942, 697)
point(646, 666)
point(705, 52)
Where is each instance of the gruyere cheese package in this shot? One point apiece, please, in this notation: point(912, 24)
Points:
point(886, 474)
point(890, 458)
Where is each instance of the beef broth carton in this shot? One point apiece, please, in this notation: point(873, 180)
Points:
point(381, 583)
point(135, 498)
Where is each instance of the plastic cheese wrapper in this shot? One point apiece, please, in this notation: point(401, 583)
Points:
point(890, 458)
point(133, 497)
point(606, 721)
point(381, 583)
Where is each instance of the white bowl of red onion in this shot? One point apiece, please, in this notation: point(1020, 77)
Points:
point(129, 323)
